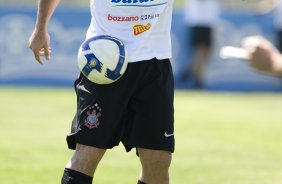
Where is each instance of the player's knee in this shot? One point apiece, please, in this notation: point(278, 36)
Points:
point(86, 159)
point(163, 160)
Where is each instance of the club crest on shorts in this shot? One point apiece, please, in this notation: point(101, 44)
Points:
point(92, 119)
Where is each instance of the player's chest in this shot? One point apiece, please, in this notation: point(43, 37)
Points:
point(129, 5)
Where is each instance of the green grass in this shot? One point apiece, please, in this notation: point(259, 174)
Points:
point(221, 138)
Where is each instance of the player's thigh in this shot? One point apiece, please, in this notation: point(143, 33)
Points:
point(154, 159)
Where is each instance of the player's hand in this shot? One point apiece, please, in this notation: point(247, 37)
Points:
point(39, 42)
point(262, 54)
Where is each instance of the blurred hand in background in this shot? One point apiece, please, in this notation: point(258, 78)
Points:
point(263, 55)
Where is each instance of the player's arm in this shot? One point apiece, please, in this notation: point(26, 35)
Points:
point(39, 41)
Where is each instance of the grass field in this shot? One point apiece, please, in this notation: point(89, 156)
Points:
point(221, 138)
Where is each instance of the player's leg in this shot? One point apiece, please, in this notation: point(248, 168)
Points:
point(85, 159)
point(201, 59)
point(192, 41)
point(155, 166)
point(97, 126)
point(82, 165)
point(200, 39)
point(150, 120)
point(203, 45)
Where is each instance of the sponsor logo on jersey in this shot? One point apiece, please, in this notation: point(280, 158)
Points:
point(140, 3)
point(122, 19)
point(139, 29)
point(149, 16)
point(92, 119)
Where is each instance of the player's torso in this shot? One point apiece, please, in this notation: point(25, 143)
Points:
point(129, 17)
point(138, 23)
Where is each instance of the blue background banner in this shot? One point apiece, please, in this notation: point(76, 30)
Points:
point(68, 27)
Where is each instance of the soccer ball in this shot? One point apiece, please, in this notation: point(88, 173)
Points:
point(102, 59)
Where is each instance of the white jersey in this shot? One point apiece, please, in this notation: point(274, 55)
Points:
point(143, 25)
point(202, 12)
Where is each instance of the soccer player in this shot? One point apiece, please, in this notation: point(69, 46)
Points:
point(136, 110)
point(263, 55)
point(201, 17)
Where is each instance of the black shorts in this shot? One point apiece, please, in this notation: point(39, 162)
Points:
point(136, 110)
point(201, 36)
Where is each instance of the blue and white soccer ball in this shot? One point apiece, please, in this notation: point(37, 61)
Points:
point(102, 59)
